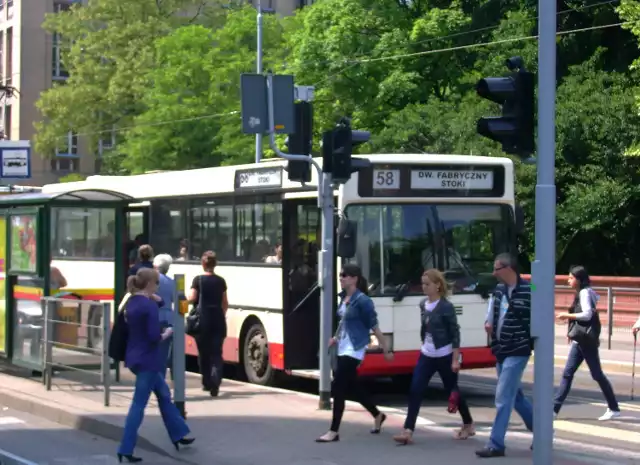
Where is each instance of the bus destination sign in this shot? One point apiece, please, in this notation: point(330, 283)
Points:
point(432, 180)
point(451, 179)
point(259, 178)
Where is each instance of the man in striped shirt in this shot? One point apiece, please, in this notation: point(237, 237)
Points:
point(508, 324)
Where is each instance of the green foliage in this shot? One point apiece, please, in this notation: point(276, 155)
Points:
point(403, 70)
point(72, 177)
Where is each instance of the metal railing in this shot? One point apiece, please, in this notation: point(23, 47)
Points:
point(66, 341)
point(622, 307)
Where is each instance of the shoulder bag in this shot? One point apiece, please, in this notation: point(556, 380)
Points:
point(586, 332)
point(119, 333)
point(192, 326)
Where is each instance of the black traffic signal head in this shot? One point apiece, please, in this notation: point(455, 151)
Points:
point(515, 93)
point(337, 148)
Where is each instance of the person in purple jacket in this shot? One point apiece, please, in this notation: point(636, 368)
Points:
point(143, 359)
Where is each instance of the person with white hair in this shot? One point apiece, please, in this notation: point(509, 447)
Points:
point(166, 290)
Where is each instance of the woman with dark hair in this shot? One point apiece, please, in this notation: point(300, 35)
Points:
point(584, 333)
point(209, 293)
point(358, 318)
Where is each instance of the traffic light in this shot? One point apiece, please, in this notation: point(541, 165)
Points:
point(300, 143)
point(515, 93)
point(337, 148)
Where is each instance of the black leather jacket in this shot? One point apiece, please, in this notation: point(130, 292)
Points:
point(441, 323)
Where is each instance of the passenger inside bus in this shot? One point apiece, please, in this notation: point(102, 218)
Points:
point(276, 257)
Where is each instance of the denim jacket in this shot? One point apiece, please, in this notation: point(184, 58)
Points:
point(359, 319)
point(442, 324)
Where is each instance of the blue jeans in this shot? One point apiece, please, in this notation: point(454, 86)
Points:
point(509, 395)
point(590, 354)
point(147, 382)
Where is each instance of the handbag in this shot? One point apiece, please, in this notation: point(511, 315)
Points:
point(119, 334)
point(586, 332)
point(192, 325)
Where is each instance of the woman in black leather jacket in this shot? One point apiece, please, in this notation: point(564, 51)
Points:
point(440, 352)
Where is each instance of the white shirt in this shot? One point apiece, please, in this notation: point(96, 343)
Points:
point(345, 347)
point(428, 348)
point(504, 306)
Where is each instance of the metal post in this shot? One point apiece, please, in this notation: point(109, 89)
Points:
point(106, 361)
point(259, 71)
point(45, 338)
point(178, 359)
point(327, 295)
point(325, 256)
point(544, 267)
point(48, 321)
point(609, 316)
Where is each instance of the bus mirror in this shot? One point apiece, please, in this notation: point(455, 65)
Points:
point(346, 233)
point(519, 219)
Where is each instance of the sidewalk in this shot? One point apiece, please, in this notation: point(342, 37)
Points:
point(251, 425)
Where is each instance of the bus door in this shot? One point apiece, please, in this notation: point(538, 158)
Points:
point(301, 294)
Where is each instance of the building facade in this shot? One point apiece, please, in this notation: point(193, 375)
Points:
point(30, 62)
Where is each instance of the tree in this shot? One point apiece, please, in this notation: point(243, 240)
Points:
point(108, 51)
point(197, 92)
point(72, 177)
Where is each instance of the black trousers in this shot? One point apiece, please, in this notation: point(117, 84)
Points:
point(210, 359)
point(345, 381)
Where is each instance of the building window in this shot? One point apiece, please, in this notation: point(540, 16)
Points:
point(57, 70)
point(2, 13)
point(9, 9)
point(107, 141)
point(8, 67)
point(1, 54)
point(66, 157)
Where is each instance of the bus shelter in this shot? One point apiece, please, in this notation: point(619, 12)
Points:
point(28, 224)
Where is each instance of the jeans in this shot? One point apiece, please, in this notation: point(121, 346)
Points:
point(210, 360)
point(147, 382)
point(345, 380)
point(577, 354)
point(509, 395)
point(422, 374)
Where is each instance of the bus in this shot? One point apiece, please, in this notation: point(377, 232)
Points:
point(452, 212)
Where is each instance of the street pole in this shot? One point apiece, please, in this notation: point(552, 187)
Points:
point(259, 71)
point(544, 267)
point(327, 295)
point(178, 343)
point(326, 279)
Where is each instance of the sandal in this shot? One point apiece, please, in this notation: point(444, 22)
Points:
point(404, 438)
point(465, 432)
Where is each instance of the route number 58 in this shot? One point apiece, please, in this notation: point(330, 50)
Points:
point(386, 179)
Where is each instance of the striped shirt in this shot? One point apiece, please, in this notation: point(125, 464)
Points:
point(512, 315)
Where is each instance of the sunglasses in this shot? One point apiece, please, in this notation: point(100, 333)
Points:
point(345, 275)
point(500, 268)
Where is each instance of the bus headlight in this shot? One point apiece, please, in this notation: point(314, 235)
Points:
point(374, 344)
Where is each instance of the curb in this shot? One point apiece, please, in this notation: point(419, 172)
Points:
point(68, 416)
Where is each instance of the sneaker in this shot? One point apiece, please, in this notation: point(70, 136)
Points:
point(489, 452)
point(609, 415)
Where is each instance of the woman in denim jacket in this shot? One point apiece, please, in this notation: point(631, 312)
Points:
point(357, 319)
point(440, 337)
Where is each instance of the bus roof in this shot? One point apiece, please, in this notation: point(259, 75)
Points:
point(222, 179)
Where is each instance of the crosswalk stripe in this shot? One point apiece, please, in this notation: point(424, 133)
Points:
point(623, 406)
point(10, 421)
point(616, 434)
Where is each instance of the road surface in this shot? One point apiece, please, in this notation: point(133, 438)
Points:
point(42, 442)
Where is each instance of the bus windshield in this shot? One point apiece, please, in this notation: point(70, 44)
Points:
point(397, 242)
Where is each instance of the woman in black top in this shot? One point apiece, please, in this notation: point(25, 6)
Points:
point(209, 292)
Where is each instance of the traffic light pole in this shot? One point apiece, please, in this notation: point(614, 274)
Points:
point(544, 267)
point(326, 279)
point(259, 71)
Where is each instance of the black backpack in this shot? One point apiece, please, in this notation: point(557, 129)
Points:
point(119, 338)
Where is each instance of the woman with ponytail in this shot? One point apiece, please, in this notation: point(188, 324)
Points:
point(143, 359)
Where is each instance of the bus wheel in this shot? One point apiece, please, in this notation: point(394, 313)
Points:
point(257, 365)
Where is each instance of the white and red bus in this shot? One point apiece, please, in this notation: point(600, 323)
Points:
point(412, 211)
